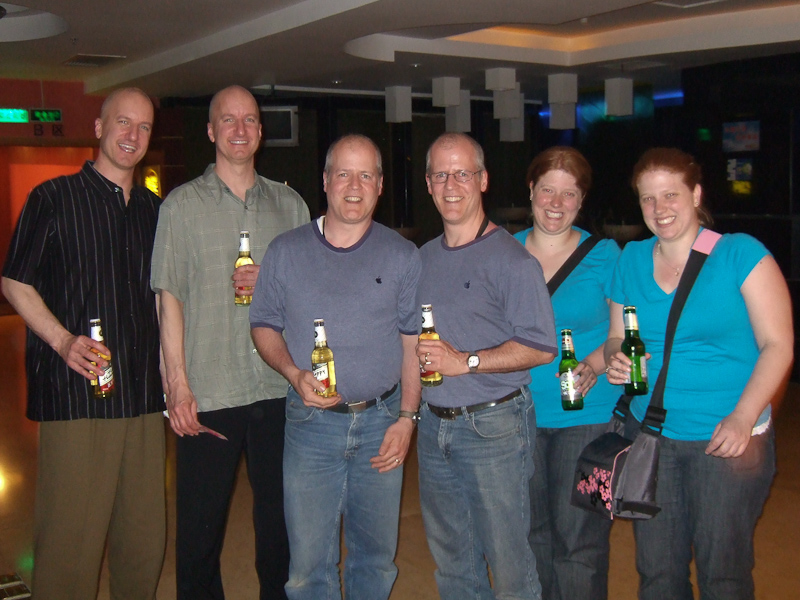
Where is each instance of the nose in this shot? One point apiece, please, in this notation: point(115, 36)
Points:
point(658, 205)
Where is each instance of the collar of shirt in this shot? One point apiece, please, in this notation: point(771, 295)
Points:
point(218, 189)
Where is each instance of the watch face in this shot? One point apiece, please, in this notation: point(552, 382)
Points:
point(473, 361)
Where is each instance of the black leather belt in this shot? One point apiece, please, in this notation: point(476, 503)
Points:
point(357, 407)
point(452, 413)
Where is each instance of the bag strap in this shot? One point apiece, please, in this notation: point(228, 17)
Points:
point(573, 261)
point(702, 247)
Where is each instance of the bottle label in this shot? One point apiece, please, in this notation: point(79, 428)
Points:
point(638, 369)
point(106, 380)
point(568, 381)
point(427, 319)
point(321, 373)
point(319, 334)
point(566, 344)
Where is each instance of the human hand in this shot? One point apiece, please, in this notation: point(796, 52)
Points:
point(618, 368)
point(394, 449)
point(731, 437)
point(244, 279)
point(182, 408)
point(309, 389)
point(439, 355)
point(79, 352)
point(586, 377)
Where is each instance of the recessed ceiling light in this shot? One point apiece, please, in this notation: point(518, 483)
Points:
point(22, 23)
point(416, 65)
point(336, 82)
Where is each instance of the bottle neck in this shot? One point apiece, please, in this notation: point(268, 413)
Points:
point(631, 333)
point(320, 338)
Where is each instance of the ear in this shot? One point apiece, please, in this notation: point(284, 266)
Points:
point(210, 130)
point(697, 193)
point(98, 128)
point(325, 182)
point(428, 183)
point(484, 180)
point(380, 186)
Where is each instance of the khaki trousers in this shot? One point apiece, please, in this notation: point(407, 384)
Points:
point(99, 480)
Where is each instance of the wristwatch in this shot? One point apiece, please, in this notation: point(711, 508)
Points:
point(472, 362)
point(414, 416)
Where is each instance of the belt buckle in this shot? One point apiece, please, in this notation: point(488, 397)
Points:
point(354, 407)
point(449, 413)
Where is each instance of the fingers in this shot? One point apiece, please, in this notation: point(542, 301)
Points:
point(618, 368)
point(80, 351)
point(244, 279)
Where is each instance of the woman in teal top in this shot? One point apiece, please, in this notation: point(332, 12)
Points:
point(731, 357)
point(571, 545)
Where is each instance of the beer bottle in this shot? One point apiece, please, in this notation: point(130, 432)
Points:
point(571, 398)
point(244, 259)
point(104, 384)
point(633, 348)
point(429, 378)
point(322, 360)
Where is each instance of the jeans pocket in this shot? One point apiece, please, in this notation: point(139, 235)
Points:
point(497, 422)
point(296, 411)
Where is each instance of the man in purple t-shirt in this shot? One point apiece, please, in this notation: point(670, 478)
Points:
point(476, 436)
point(343, 455)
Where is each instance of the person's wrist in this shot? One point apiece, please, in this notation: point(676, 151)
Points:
point(408, 415)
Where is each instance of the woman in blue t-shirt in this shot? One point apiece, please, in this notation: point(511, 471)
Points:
point(571, 545)
point(730, 358)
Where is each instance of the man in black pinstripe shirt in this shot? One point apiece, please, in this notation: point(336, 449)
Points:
point(82, 250)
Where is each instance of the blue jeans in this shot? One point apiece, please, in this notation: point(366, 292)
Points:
point(327, 476)
point(711, 505)
point(473, 483)
point(570, 544)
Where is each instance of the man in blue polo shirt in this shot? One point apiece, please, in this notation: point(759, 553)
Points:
point(477, 432)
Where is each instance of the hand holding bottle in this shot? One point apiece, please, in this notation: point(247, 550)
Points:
point(244, 279)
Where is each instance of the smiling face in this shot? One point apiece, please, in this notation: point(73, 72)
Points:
point(555, 202)
point(352, 182)
point(234, 126)
point(123, 129)
point(668, 204)
point(458, 203)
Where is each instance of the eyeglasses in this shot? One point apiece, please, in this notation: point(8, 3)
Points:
point(459, 176)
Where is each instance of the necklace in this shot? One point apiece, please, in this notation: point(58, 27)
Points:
point(658, 253)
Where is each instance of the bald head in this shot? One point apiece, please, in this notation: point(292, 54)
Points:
point(220, 96)
point(354, 139)
point(448, 141)
point(109, 102)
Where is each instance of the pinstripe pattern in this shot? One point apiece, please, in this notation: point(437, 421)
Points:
point(88, 255)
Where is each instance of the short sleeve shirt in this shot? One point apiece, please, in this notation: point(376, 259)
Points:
point(580, 304)
point(197, 244)
point(87, 253)
point(714, 350)
point(484, 294)
point(364, 293)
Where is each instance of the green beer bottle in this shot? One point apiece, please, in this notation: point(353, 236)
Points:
point(633, 348)
point(571, 398)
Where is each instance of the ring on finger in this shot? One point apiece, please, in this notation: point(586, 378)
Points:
point(397, 460)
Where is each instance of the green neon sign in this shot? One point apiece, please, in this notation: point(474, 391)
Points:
point(46, 115)
point(13, 115)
